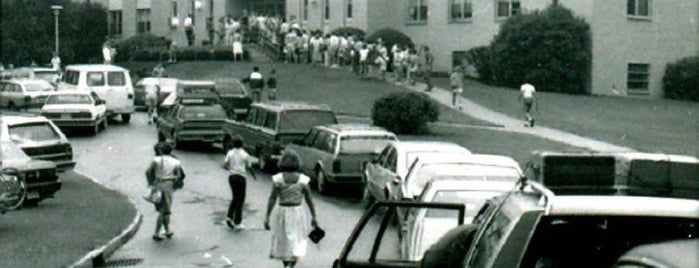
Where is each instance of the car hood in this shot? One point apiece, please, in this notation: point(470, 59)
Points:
point(28, 164)
point(67, 108)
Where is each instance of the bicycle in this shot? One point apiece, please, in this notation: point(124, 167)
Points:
point(13, 191)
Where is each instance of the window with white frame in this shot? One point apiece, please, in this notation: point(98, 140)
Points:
point(143, 20)
point(638, 8)
point(460, 10)
point(327, 9)
point(507, 8)
point(114, 22)
point(417, 10)
point(304, 10)
point(349, 8)
point(637, 78)
point(174, 8)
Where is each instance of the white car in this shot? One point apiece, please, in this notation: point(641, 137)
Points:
point(423, 227)
point(395, 159)
point(76, 109)
point(110, 82)
point(476, 166)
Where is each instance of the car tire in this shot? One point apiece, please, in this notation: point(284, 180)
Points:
point(31, 202)
point(95, 129)
point(104, 124)
point(126, 118)
point(12, 107)
point(321, 182)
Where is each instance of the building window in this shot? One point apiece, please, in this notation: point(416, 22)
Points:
point(143, 20)
point(174, 8)
point(638, 8)
point(305, 10)
point(508, 8)
point(349, 9)
point(417, 10)
point(637, 78)
point(114, 22)
point(327, 10)
point(192, 11)
point(460, 10)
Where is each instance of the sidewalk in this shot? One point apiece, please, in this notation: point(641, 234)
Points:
point(510, 124)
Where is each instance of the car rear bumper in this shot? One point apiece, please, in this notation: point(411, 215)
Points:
point(43, 188)
point(205, 136)
point(345, 178)
point(75, 123)
point(121, 110)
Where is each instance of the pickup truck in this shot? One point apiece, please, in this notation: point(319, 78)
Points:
point(268, 127)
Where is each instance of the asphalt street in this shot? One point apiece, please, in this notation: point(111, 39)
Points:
point(118, 158)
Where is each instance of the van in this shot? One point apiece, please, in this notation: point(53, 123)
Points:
point(111, 83)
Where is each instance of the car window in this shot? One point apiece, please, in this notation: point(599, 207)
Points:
point(41, 131)
point(261, 116)
point(325, 141)
point(391, 160)
point(310, 137)
point(381, 159)
point(69, 99)
point(357, 144)
point(491, 239)
point(71, 77)
point(250, 117)
point(95, 79)
point(302, 120)
point(116, 78)
point(271, 121)
point(202, 112)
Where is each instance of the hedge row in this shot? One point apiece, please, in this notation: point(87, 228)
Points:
point(681, 79)
point(190, 54)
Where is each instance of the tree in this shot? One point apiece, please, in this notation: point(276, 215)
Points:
point(28, 31)
point(549, 48)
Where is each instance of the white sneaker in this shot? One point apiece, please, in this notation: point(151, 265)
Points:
point(239, 227)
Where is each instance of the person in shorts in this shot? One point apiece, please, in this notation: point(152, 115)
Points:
point(456, 86)
point(526, 94)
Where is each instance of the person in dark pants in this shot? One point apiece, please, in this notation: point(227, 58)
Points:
point(237, 162)
point(256, 82)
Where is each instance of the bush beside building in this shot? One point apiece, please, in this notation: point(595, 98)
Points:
point(681, 80)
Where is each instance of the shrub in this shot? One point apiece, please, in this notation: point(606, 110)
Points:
point(127, 48)
point(548, 48)
point(681, 79)
point(405, 112)
point(480, 58)
point(390, 37)
point(349, 31)
point(223, 54)
point(204, 54)
point(188, 54)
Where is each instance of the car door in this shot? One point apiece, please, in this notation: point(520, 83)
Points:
point(323, 150)
point(387, 174)
point(375, 242)
point(303, 146)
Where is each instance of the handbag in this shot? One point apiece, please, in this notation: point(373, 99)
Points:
point(316, 234)
point(153, 195)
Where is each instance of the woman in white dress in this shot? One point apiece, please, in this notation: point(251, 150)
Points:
point(289, 221)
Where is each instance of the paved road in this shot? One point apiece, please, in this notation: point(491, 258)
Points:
point(118, 158)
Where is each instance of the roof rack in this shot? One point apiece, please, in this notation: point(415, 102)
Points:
point(547, 195)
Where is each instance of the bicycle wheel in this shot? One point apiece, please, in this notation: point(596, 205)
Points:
point(12, 191)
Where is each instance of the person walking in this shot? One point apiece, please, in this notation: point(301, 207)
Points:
point(164, 174)
point(526, 94)
point(272, 85)
point(237, 162)
point(427, 71)
point(256, 83)
point(152, 93)
point(289, 220)
point(457, 86)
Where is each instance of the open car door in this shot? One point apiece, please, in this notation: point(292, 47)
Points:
point(376, 239)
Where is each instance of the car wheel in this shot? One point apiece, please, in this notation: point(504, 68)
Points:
point(15, 197)
point(31, 202)
point(11, 106)
point(125, 118)
point(322, 184)
point(95, 129)
point(104, 124)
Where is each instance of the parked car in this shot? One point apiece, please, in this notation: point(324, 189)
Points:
point(111, 83)
point(334, 154)
point(24, 93)
point(191, 92)
point(268, 127)
point(395, 159)
point(38, 137)
point(422, 228)
point(50, 75)
point(76, 109)
point(681, 253)
point(165, 85)
point(39, 176)
point(235, 98)
point(188, 122)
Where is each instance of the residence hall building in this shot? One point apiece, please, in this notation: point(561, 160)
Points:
point(632, 40)
point(127, 18)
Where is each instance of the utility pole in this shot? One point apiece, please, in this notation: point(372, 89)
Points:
point(56, 11)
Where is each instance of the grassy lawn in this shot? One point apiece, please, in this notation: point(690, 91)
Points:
point(646, 125)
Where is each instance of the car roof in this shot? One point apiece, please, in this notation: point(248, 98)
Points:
point(665, 254)
point(435, 146)
point(479, 159)
point(472, 185)
point(625, 206)
point(71, 92)
point(15, 119)
point(26, 80)
point(195, 83)
point(95, 67)
point(353, 129)
point(44, 69)
point(630, 156)
point(278, 106)
point(157, 80)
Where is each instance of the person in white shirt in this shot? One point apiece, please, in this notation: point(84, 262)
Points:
point(163, 174)
point(237, 162)
point(56, 61)
point(526, 94)
point(363, 56)
point(189, 30)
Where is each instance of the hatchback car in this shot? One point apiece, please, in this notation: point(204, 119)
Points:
point(24, 93)
point(39, 176)
point(76, 109)
point(334, 154)
point(165, 87)
point(395, 159)
point(39, 138)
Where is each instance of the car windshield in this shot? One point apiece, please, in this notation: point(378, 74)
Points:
point(300, 121)
point(364, 144)
point(10, 151)
point(69, 99)
point(37, 132)
point(416, 182)
point(472, 200)
point(36, 86)
point(202, 112)
point(230, 89)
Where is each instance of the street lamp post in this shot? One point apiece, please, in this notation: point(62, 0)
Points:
point(56, 11)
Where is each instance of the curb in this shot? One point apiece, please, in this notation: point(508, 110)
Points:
point(98, 256)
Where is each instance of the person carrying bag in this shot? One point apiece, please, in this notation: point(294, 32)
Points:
point(164, 175)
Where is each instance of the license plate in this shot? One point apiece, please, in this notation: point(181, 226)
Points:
point(32, 195)
point(65, 116)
